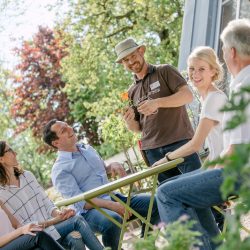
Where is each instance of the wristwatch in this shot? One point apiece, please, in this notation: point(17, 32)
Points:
point(167, 156)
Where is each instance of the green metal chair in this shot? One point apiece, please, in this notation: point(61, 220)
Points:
point(117, 184)
point(227, 213)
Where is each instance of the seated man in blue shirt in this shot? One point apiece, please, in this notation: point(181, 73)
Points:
point(77, 169)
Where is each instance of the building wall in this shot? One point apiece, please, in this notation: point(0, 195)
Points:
point(203, 22)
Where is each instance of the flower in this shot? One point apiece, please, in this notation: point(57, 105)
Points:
point(124, 96)
point(123, 102)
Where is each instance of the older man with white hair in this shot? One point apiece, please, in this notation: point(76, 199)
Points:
point(194, 193)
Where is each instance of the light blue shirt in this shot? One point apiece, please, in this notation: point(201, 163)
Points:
point(76, 172)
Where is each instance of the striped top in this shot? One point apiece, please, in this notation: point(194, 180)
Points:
point(29, 202)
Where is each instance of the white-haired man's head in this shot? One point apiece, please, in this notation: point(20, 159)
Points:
point(237, 35)
point(236, 44)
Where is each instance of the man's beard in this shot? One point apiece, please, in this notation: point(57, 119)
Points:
point(138, 68)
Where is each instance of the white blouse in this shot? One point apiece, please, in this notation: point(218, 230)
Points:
point(211, 106)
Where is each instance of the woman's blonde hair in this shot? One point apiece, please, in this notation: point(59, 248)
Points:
point(208, 55)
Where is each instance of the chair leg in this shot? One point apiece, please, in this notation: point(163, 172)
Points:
point(227, 215)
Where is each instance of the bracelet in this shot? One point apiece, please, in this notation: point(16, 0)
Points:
point(167, 156)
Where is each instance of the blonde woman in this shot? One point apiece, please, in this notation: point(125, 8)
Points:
point(204, 72)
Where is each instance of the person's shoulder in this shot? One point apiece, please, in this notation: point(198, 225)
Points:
point(245, 82)
point(59, 163)
point(217, 95)
point(164, 67)
point(28, 174)
point(215, 100)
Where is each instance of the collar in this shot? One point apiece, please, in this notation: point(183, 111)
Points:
point(150, 70)
point(239, 77)
point(68, 155)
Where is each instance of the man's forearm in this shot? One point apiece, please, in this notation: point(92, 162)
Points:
point(51, 222)
point(182, 97)
point(100, 203)
point(55, 212)
point(134, 126)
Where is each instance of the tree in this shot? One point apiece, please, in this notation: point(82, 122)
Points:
point(24, 144)
point(27, 148)
point(93, 80)
point(6, 124)
point(38, 87)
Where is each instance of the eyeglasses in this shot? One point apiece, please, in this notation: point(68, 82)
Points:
point(9, 150)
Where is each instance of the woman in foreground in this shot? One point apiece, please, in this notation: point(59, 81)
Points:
point(24, 198)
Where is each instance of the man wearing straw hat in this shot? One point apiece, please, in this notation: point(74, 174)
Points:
point(159, 95)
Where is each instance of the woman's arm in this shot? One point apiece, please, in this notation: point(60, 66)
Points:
point(50, 222)
point(194, 145)
point(14, 222)
point(10, 236)
point(27, 229)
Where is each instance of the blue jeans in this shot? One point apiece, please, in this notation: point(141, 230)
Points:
point(77, 223)
point(193, 194)
point(72, 242)
point(191, 162)
point(110, 232)
point(42, 241)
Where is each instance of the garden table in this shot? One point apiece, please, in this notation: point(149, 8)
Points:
point(125, 181)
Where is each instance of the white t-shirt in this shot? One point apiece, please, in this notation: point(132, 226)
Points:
point(241, 134)
point(211, 106)
point(5, 225)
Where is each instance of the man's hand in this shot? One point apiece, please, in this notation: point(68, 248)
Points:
point(116, 168)
point(129, 115)
point(129, 118)
point(120, 209)
point(64, 214)
point(148, 107)
point(161, 161)
point(108, 204)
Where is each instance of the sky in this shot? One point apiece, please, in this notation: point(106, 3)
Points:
point(20, 20)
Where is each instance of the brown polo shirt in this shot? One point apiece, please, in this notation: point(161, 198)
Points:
point(168, 125)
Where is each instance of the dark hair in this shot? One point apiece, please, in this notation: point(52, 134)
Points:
point(48, 135)
point(4, 179)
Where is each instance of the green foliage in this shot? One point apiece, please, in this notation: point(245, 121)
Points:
point(93, 79)
point(6, 124)
point(27, 148)
point(37, 82)
point(113, 129)
point(175, 236)
point(237, 173)
point(24, 144)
